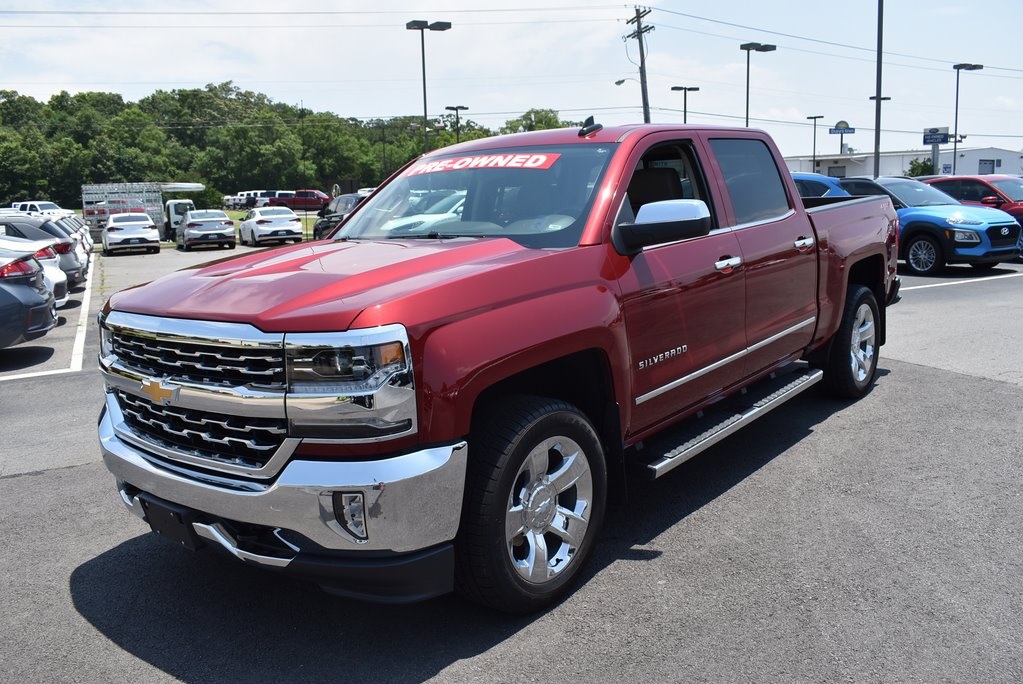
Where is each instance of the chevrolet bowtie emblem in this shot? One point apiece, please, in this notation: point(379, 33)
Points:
point(158, 392)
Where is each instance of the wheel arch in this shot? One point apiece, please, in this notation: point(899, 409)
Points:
point(915, 229)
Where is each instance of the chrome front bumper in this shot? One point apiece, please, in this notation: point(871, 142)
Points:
point(412, 502)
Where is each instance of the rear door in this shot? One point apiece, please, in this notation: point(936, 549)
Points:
point(779, 251)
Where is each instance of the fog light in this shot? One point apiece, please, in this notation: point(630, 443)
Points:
point(350, 512)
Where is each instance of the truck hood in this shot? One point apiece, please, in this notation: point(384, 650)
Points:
point(316, 286)
point(971, 214)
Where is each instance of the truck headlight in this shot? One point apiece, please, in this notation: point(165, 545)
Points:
point(967, 236)
point(355, 385)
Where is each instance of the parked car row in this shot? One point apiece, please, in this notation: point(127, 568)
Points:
point(935, 228)
point(44, 252)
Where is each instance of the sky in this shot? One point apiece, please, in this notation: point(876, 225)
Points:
point(563, 55)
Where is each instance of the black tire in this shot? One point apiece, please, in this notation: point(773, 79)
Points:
point(187, 247)
point(535, 496)
point(924, 256)
point(852, 361)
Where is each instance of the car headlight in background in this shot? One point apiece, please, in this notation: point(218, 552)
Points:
point(965, 236)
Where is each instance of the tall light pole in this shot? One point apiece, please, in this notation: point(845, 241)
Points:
point(814, 119)
point(955, 139)
point(753, 47)
point(424, 26)
point(456, 109)
point(685, 99)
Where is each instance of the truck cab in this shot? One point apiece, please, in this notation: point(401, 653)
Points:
point(173, 214)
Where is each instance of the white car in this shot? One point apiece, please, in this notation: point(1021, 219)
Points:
point(205, 227)
point(130, 231)
point(46, 255)
point(270, 224)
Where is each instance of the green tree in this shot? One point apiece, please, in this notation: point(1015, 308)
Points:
point(536, 120)
point(920, 168)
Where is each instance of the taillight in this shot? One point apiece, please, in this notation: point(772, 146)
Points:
point(263, 222)
point(46, 253)
point(193, 225)
point(229, 223)
point(64, 247)
point(113, 229)
point(297, 219)
point(18, 269)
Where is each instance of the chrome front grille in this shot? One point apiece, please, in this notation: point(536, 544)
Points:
point(199, 362)
point(236, 440)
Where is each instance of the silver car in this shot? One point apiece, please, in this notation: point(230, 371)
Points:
point(270, 224)
point(205, 227)
point(130, 231)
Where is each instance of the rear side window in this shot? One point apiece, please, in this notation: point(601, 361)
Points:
point(753, 179)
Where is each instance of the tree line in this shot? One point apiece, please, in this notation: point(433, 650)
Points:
point(222, 136)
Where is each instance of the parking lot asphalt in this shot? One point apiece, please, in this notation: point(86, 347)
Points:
point(873, 541)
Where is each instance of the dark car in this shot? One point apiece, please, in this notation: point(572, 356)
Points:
point(26, 304)
point(336, 210)
point(992, 190)
point(31, 228)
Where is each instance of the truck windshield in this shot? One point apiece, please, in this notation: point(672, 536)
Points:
point(538, 197)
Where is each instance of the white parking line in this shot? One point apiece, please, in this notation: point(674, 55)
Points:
point(961, 282)
point(78, 350)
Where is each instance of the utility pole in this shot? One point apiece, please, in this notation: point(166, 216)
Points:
point(638, 35)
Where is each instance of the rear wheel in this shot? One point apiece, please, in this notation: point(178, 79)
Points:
point(852, 362)
point(535, 498)
point(923, 255)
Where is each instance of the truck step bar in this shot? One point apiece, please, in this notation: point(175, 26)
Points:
point(676, 446)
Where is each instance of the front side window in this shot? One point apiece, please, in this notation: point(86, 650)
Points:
point(538, 197)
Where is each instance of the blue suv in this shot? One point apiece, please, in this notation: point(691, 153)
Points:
point(935, 229)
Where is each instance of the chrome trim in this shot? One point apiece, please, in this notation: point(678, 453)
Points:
point(217, 534)
point(184, 329)
point(780, 217)
point(803, 243)
point(413, 501)
point(674, 384)
point(127, 435)
point(238, 401)
point(706, 441)
point(728, 264)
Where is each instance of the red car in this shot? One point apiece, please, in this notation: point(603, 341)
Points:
point(302, 200)
point(998, 191)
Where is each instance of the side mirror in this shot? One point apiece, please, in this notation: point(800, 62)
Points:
point(662, 222)
point(992, 201)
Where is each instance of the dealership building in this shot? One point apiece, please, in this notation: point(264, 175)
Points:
point(969, 160)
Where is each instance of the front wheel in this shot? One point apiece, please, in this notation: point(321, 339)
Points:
point(852, 362)
point(923, 255)
point(535, 498)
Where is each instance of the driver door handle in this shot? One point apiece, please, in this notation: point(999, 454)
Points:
point(727, 264)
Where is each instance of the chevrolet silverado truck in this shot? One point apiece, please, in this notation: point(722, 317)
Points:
point(413, 408)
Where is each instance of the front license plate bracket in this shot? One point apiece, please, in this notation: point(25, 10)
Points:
point(171, 521)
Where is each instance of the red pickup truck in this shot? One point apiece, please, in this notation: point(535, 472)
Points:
point(302, 200)
point(442, 396)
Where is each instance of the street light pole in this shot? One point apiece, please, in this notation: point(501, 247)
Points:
point(955, 139)
point(814, 119)
point(424, 26)
point(753, 47)
point(685, 99)
point(456, 109)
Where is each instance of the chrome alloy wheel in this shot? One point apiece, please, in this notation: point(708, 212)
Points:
point(549, 510)
point(922, 256)
point(862, 348)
